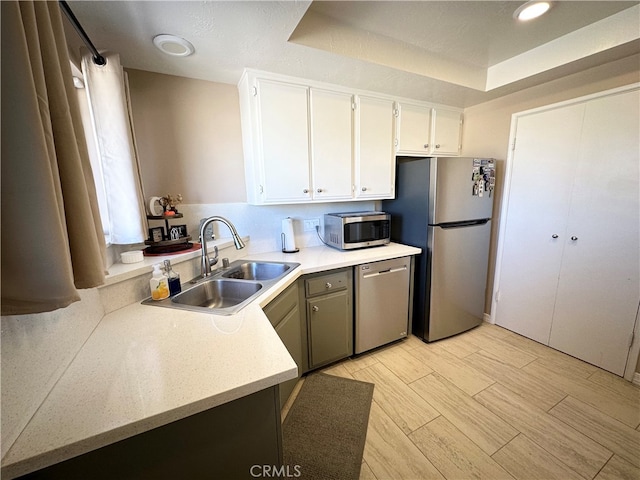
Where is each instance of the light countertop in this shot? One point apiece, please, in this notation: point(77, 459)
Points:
point(145, 367)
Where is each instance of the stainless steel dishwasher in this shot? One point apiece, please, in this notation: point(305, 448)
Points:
point(382, 302)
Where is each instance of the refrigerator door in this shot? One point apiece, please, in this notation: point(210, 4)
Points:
point(457, 278)
point(451, 193)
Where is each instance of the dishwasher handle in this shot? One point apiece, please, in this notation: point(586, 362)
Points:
point(385, 272)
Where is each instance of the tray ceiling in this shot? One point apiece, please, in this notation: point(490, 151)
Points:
point(454, 52)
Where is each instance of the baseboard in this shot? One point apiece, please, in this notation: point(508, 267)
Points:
point(487, 318)
point(636, 378)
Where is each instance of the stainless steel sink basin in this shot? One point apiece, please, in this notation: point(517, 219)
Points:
point(227, 290)
point(257, 271)
point(217, 293)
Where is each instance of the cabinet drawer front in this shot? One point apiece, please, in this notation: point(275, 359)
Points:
point(280, 307)
point(327, 283)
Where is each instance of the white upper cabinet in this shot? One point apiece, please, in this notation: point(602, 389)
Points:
point(275, 137)
point(283, 134)
point(375, 160)
point(446, 131)
point(424, 130)
point(414, 129)
point(306, 141)
point(331, 116)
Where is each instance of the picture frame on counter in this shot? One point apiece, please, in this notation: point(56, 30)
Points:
point(182, 230)
point(156, 234)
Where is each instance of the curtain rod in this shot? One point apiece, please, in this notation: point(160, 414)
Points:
point(97, 58)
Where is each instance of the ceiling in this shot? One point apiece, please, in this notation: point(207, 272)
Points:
point(457, 53)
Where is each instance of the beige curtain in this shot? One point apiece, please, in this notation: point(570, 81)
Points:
point(52, 241)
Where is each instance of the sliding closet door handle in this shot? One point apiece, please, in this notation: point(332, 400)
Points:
point(555, 235)
point(574, 238)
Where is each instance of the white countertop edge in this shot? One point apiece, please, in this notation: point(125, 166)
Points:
point(312, 260)
point(322, 258)
point(318, 259)
point(51, 457)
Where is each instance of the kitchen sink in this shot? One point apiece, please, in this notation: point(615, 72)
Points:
point(217, 293)
point(227, 290)
point(257, 271)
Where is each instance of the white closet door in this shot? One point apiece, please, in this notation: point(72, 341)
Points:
point(598, 291)
point(543, 167)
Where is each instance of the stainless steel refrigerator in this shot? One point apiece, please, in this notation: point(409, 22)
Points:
point(444, 206)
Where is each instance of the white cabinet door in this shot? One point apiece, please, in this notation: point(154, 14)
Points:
point(375, 156)
point(331, 144)
point(599, 287)
point(445, 137)
point(284, 141)
point(413, 129)
point(537, 205)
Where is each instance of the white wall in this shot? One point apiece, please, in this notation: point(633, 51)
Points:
point(188, 137)
point(264, 224)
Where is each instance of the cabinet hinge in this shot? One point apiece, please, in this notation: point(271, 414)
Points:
point(396, 112)
point(254, 91)
point(395, 142)
point(260, 189)
point(513, 145)
point(633, 336)
point(497, 296)
point(353, 105)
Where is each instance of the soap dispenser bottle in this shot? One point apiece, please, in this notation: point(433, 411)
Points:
point(159, 284)
point(173, 278)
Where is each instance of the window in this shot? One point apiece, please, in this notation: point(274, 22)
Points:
point(107, 121)
point(94, 157)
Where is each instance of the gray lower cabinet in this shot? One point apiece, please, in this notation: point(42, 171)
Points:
point(329, 309)
point(284, 314)
point(233, 440)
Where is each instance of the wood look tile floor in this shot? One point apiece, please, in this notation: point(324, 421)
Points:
point(491, 404)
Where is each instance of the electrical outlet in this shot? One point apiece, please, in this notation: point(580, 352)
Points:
point(310, 224)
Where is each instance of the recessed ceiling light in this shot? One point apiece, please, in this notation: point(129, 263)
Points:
point(172, 45)
point(531, 10)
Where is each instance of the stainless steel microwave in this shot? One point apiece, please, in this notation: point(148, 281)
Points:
point(350, 230)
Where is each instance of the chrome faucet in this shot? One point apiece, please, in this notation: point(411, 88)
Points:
point(205, 262)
